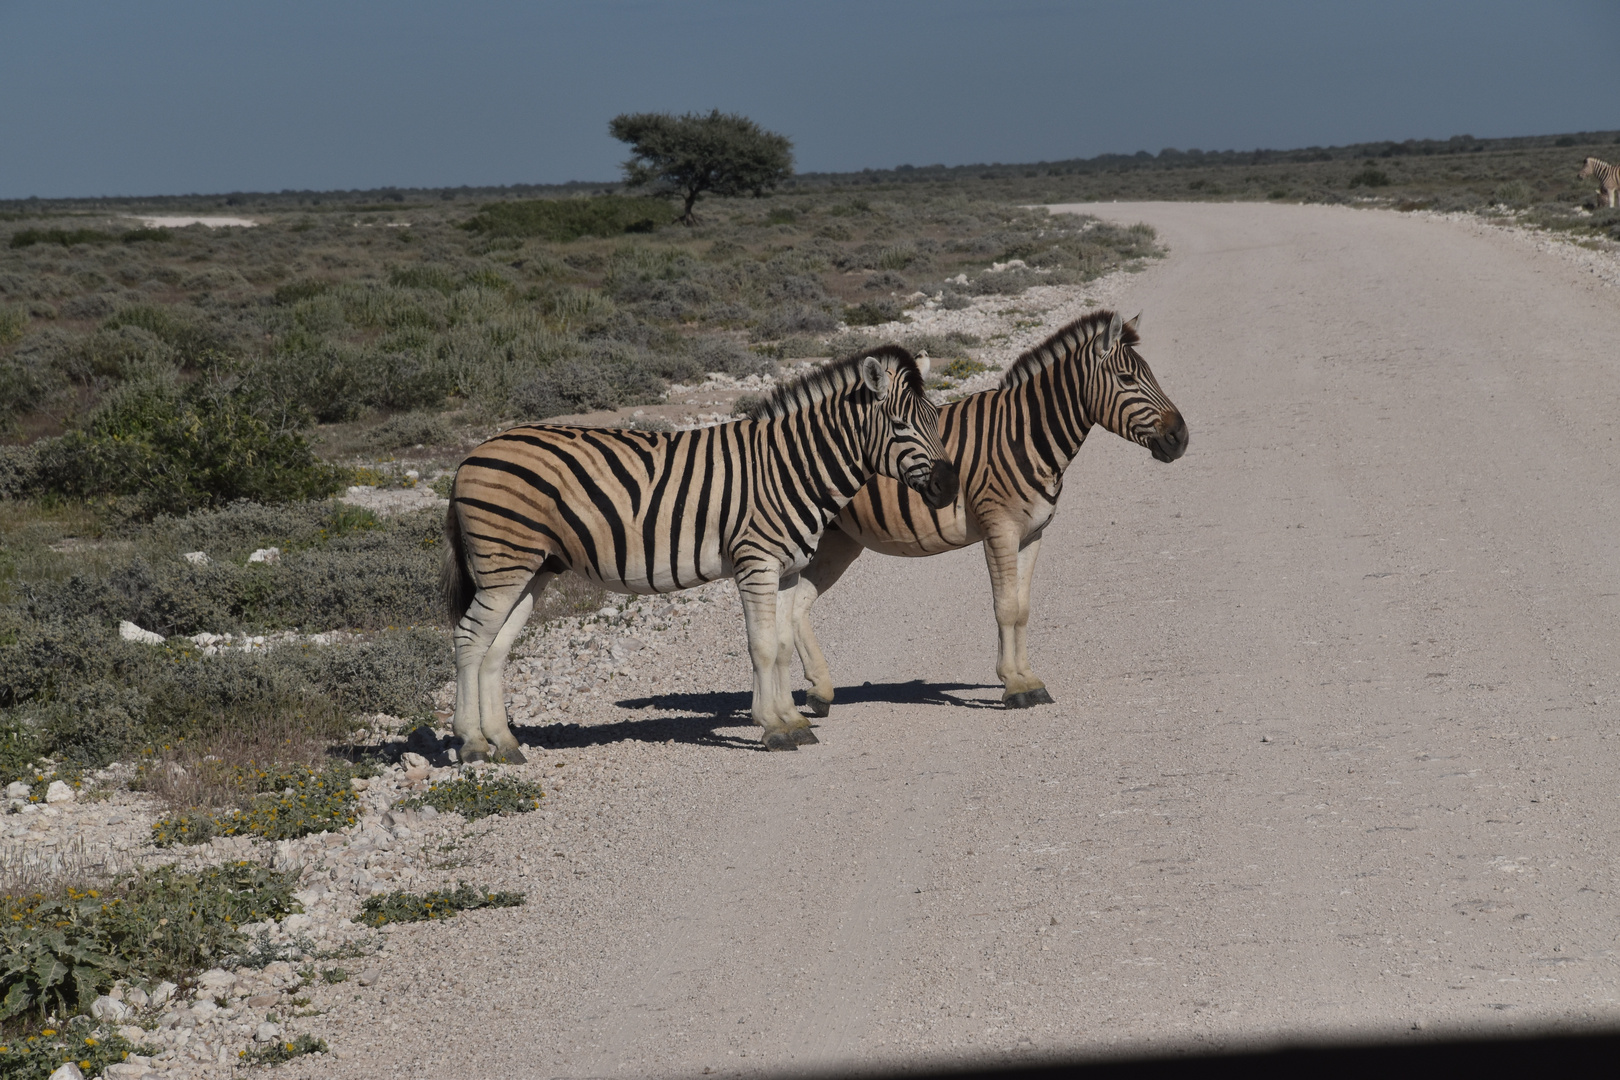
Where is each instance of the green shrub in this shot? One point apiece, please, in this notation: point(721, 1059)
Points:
point(13, 323)
point(1370, 177)
point(281, 1051)
point(408, 907)
point(58, 952)
point(474, 797)
point(147, 236)
point(874, 313)
point(296, 802)
point(168, 455)
point(65, 237)
point(561, 220)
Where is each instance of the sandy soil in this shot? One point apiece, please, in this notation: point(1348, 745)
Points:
point(180, 221)
point(1334, 749)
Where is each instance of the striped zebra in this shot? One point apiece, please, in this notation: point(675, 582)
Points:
point(647, 512)
point(1608, 178)
point(1010, 446)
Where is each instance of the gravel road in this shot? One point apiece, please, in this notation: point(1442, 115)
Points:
point(1334, 750)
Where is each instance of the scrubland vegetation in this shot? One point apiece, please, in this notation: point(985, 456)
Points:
point(165, 392)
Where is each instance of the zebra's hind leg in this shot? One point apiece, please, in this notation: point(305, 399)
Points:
point(474, 634)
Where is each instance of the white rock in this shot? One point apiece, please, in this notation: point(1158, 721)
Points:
point(17, 789)
point(266, 1032)
point(292, 924)
point(203, 1008)
point(369, 976)
point(162, 992)
point(216, 979)
point(67, 1071)
point(58, 792)
point(197, 558)
point(266, 555)
point(110, 1009)
point(413, 761)
point(130, 632)
point(133, 1033)
point(136, 997)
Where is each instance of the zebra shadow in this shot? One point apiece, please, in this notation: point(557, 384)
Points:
point(683, 718)
point(916, 692)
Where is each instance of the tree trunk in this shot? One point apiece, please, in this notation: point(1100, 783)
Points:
point(687, 217)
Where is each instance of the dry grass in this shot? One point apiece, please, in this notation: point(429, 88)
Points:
point(218, 772)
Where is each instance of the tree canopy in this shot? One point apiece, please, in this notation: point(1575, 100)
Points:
point(693, 153)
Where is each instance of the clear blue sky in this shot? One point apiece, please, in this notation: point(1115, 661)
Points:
point(172, 97)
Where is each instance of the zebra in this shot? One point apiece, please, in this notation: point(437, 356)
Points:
point(1010, 446)
point(651, 512)
point(1608, 178)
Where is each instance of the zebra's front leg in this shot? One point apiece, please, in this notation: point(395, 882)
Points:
point(758, 587)
point(1011, 569)
point(836, 552)
point(798, 723)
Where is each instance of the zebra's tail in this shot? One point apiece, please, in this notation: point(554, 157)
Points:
point(455, 577)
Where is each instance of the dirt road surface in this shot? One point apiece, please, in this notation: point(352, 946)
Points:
point(1334, 751)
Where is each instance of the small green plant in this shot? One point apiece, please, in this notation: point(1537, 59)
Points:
point(58, 951)
point(280, 1051)
point(335, 975)
point(475, 796)
point(13, 321)
point(956, 369)
point(397, 907)
point(35, 1053)
point(294, 802)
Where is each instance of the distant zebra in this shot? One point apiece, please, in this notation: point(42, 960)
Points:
point(1608, 177)
point(1010, 446)
point(645, 512)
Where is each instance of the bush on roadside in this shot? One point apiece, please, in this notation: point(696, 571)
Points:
point(474, 797)
point(397, 907)
point(293, 802)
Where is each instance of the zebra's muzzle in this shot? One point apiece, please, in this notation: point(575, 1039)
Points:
point(939, 490)
point(1171, 443)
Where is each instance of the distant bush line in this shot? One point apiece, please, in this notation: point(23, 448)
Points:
point(562, 220)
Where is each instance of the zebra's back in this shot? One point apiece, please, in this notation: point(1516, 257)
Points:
point(636, 511)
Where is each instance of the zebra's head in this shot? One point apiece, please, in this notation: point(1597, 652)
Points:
point(1590, 167)
point(1121, 394)
point(902, 429)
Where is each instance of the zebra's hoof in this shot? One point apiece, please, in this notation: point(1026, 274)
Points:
point(470, 756)
point(819, 706)
point(780, 740)
point(513, 756)
point(1027, 699)
point(803, 736)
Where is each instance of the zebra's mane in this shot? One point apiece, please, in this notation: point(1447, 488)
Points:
point(832, 378)
point(1042, 356)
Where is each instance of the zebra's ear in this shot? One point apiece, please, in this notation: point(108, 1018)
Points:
point(875, 374)
point(924, 362)
point(1134, 326)
point(1110, 336)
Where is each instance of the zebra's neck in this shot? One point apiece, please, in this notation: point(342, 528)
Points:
point(1048, 413)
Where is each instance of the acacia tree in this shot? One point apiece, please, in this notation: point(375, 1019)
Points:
point(690, 154)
